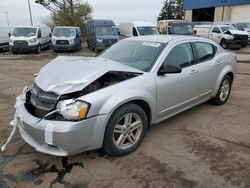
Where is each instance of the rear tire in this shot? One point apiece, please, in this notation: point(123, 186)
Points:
point(223, 92)
point(125, 130)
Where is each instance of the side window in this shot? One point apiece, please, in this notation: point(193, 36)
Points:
point(216, 30)
point(181, 55)
point(39, 33)
point(135, 32)
point(205, 51)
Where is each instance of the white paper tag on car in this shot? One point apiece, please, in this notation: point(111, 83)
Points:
point(152, 44)
point(49, 129)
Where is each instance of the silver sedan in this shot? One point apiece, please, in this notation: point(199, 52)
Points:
point(82, 103)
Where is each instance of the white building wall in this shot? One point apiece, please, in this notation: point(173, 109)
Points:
point(240, 13)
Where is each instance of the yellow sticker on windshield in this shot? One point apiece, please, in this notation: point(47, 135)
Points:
point(152, 44)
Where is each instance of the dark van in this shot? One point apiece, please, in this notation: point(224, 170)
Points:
point(101, 34)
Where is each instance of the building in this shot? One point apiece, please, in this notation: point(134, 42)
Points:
point(217, 10)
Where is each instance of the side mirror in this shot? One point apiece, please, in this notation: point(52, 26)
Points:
point(9, 34)
point(195, 32)
point(50, 35)
point(119, 33)
point(169, 69)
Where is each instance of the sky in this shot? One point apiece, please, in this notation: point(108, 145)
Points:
point(116, 10)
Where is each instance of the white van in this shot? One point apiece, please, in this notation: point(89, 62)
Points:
point(30, 39)
point(133, 29)
point(4, 37)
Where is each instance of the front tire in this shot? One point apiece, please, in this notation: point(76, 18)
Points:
point(126, 130)
point(224, 44)
point(223, 92)
point(38, 49)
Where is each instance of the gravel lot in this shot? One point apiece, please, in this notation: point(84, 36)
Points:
point(207, 146)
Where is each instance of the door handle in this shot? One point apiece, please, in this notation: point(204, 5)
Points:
point(194, 71)
point(219, 62)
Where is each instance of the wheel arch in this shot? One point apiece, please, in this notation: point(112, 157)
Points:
point(226, 71)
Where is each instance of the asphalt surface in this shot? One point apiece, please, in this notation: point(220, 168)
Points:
point(207, 146)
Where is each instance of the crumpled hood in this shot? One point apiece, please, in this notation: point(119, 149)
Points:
point(70, 74)
point(238, 32)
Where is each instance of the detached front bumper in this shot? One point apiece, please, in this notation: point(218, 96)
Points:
point(60, 138)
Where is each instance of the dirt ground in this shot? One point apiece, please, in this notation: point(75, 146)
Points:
point(207, 146)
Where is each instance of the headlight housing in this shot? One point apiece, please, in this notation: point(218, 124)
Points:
point(72, 40)
point(11, 40)
point(230, 37)
point(53, 40)
point(32, 40)
point(73, 110)
point(98, 40)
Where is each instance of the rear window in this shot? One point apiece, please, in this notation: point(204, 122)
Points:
point(206, 51)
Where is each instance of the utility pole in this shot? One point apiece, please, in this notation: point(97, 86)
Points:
point(31, 21)
point(7, 16)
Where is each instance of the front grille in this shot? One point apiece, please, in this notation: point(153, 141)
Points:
point(241, 37)
point(20, 43)
point(109, 42)
point(39, 102)
point(62, 42)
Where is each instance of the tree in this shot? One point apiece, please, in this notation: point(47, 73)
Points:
point(172, 9)
point(67, 12)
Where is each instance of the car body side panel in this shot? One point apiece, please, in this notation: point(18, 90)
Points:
point(107, 100)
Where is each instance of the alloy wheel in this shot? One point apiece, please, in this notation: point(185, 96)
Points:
point(127, 131)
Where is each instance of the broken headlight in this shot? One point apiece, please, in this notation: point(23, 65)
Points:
point(73, 110)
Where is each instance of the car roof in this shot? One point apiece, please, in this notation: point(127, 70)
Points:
point(65, 27)
point(140, 23)
point(162, 38)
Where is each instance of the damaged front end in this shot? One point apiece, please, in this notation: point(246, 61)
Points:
point(53, 122)
point(51, 106)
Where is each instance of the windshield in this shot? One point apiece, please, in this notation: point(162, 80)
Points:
point(137, 54)
point(105, 30)
point(24, 32)
point(243, 26)
point(64, 32)
point(226, 28)
point(147, 30)
point(183, 29)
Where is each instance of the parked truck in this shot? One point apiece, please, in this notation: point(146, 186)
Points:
point(225, 35)
point(177, 27)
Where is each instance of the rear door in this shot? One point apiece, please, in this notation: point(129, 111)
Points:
point(207, 76)
point(176, 92)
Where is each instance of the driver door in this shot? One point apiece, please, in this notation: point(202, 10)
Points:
point(215, 35)
point(178, 91)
